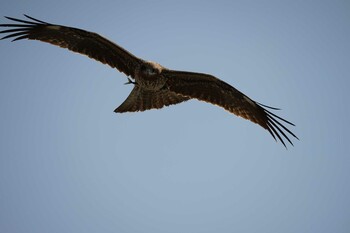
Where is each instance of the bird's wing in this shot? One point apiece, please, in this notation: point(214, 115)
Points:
point(210, 89)
point(141, 100)
point(77, 40)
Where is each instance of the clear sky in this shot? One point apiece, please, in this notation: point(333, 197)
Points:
point(69, 164)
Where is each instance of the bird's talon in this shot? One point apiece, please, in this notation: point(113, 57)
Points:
point(129, 82)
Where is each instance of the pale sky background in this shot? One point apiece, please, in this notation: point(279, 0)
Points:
point(70, 164)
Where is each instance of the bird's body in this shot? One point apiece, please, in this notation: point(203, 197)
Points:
point(154, 85)
point(149, 76)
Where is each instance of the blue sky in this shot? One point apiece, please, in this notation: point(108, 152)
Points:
point(70, 164)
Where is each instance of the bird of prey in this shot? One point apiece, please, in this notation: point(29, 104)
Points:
point(154, 85)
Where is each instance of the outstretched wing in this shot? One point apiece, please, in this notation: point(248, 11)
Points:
point(77, 40)
point(210, 89)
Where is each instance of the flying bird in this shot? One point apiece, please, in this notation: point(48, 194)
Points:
point(154, 85)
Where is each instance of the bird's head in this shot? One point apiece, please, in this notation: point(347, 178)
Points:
point(150, 69)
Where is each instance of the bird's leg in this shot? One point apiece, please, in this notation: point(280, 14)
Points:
point(129, 82)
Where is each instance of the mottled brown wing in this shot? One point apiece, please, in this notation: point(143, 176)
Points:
point(77, 40)
point(141, 100)
point(210, 89)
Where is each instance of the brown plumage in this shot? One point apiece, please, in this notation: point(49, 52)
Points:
point(154, 85)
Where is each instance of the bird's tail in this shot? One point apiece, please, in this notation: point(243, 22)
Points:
point(141, 100)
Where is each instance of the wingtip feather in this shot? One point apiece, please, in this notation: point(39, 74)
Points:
point(34, 19)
